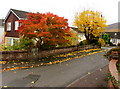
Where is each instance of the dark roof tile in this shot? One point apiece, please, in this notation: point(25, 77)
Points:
point(76, 29)
point(20, 14)
point(1, 22)
point(115, 27)
point(114, 34)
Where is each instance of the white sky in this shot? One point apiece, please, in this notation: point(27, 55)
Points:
point(64, 8)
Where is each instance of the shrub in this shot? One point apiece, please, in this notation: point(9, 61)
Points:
point(85, 42)
point(118, 67)
point(111, 44)
point(118, 44)
point(7, 48)
point(113, 49)
point(22, 44)
point(25, 43)
point(81, 43)
point(101, 42)
point(106, 38)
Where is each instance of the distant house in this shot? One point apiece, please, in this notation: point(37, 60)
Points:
point(1, 30)
point(1, 24)
point(81, 35)
point(114, 31)
point(11, 25)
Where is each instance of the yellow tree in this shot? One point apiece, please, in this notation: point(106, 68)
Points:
point(91, 24)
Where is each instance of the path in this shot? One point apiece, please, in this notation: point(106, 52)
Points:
point(96, 79)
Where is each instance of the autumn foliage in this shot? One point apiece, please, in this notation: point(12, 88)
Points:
point(46, 29)
point(91, 24)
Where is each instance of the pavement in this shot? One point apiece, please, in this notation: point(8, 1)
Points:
point(57, 75)
point(96, 79)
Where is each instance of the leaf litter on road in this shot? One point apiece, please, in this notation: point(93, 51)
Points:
point(17, 64)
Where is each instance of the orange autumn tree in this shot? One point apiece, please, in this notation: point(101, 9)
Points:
point(47, 29)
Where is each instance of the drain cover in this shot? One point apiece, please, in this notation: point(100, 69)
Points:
point(23, 81)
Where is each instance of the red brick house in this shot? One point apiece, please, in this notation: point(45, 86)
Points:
point(11, 25)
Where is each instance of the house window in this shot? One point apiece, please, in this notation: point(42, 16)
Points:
point(15, 41)
point(9, 41)
point(114, 41)
point(16, 25)
point(8, 26)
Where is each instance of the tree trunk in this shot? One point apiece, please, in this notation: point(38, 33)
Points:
point(39, 45)
point(119, 56)
point(87, 36)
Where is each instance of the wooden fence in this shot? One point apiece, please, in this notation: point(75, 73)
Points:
point(34, 54)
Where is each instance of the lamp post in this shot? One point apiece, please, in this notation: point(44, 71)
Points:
point(77, 41)
point(115, 38)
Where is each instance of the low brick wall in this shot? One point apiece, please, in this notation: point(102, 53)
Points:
point(12, 55)
point(34, 54)
point(56, 51)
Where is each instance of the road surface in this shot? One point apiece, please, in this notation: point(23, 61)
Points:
point(57, 75)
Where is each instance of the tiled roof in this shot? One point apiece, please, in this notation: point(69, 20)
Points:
point(1, 22)
point(114, 34)
point(76, 29)
point(115, 27)
point(20, 14)
point(113, 30)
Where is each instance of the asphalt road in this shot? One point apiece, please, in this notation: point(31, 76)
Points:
point(57, 75)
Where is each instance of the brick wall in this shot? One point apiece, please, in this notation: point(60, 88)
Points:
point(34, 54)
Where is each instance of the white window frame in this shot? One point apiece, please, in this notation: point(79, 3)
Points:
point(9, 26)
point(114, 40)
point(16, 25)
point(8, 41)
point(11, 40)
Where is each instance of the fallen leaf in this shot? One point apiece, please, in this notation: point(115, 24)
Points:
point(89, 73)
point(5, 86)
point(100, 69)
point(33, 82)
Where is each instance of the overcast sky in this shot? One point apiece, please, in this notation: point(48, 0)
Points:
point(64, 8)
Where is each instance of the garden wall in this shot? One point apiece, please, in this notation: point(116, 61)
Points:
point(34, 54)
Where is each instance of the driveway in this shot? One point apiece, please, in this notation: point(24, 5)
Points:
point(108, 48)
